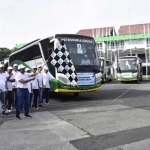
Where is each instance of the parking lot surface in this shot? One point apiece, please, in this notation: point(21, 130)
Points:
point(115, 118)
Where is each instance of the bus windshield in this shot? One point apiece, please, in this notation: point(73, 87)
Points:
point(82, 52)
point(127, 64)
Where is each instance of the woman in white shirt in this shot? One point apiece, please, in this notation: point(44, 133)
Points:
point(35, 88)
point(46, 81)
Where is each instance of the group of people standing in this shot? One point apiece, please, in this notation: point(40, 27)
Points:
point(22, 89)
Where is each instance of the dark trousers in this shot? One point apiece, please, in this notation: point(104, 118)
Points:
point(9, 99)
point(22, 96)
point(35, 93)
point(31, 95)
point(46, 93)
point(14, 103)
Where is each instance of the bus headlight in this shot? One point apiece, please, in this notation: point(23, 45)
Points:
point(134, 74)
point(98, 77)
point(62, 79)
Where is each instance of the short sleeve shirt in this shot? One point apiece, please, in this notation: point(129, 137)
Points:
point(85, 62)
point(40, 79)
point(2, 82)
point(15, 73)
point(9, 84)
point(20, 76)
point(35, 83)
point(46, 79)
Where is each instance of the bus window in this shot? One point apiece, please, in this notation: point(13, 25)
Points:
point(47, 48)
point(27, 55)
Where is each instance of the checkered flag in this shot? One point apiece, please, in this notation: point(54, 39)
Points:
point(61, 60)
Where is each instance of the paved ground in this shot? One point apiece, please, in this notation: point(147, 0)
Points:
point(115, 118)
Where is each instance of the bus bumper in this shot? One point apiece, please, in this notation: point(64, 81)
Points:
point(128, 79)
point(77, 90)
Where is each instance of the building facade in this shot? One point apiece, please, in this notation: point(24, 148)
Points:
point(132, 40)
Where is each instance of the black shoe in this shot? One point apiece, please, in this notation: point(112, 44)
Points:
point(28, 116)
point(40, 105)
point(18, 117)
point(4, 114)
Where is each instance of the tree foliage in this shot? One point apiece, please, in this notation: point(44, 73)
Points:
point(5, 52)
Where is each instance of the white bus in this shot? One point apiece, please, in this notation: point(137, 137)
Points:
point(129, 68)
point(38, 51)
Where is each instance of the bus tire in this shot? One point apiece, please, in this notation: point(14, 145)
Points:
point(76, 94)
point(141, 78)
point(138, 80)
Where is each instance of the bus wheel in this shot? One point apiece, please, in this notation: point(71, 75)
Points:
point(138, 80)
point(76, 94)
point(141, 78)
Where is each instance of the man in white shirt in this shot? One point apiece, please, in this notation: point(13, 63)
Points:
point(46, 81)
point(10, 79)
point(3, 87)
point(40, 83)
point(22, 91)
point(85, 60)
point(35, 87)
point(14, 85)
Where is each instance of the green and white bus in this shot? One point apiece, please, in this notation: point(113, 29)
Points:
point(38, 51)
point(129, 68)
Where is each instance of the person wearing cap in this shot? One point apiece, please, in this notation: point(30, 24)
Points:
point(46, 81)
point(22, 91)
point(35, 88)
point(27, 70)
point(3, 87)
point(10, 79)
point(85, 60)
point(14, 85)
point(40, 84)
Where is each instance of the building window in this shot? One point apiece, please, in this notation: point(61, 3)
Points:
point(122, 44)
point(112, 45)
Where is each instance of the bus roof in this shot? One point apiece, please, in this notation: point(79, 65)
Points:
point(73, 35)
point(51, 37)
point(129, 57)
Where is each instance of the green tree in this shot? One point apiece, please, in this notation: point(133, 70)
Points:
point(4, 53)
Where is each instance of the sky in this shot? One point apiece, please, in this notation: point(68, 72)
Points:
point(22, 21)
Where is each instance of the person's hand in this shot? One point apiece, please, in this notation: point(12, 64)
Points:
point(33, 78)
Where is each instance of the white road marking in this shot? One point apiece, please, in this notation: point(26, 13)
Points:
point(123, 93)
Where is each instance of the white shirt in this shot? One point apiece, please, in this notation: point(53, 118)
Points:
point(15, 73)
point(2, 82)
point(46, 79)
point(29, 86)
point(24, 76)
point(40, 79)
point(85, 62)
point(9, 84)
point(35, 83)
